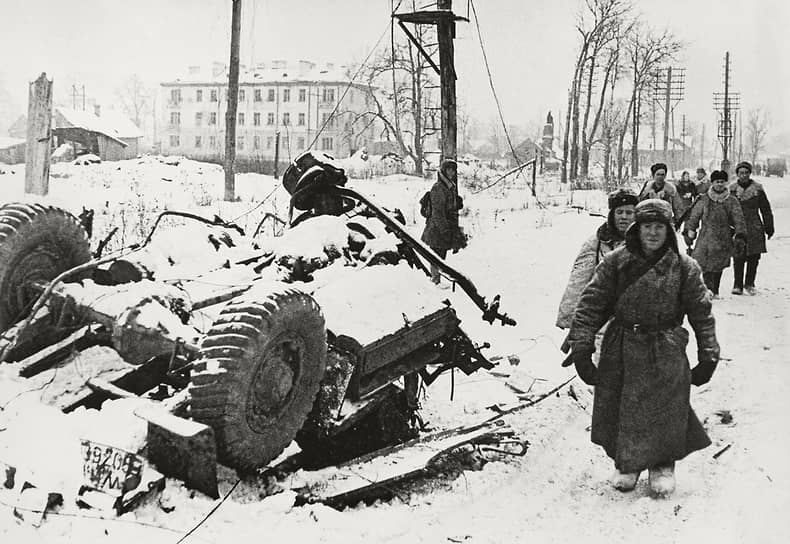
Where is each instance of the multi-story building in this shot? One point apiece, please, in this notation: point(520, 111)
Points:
point(299, 102)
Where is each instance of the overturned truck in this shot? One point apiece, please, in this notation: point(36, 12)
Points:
point(250, 345)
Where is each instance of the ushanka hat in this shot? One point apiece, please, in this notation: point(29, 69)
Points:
point(653, 210)
point(656, 167)
point(717, 175)
point(622, 197)
point(744, 164)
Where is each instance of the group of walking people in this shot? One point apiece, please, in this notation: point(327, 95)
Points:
point(629, 291)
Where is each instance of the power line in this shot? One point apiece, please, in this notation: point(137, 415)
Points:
point(499, 107)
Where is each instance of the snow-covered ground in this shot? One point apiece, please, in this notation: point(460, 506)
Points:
point(558, 492)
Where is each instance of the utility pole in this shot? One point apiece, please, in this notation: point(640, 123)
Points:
point(233, 102)
point(725, 103)
point(447, 77)
point(39, 136)
point(683, 142)
point(667, 112)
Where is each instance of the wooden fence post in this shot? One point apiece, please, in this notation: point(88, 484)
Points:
point(39, 136)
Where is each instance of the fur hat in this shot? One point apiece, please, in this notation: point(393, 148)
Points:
point(653, 209)
point(701, 170)
point(446, 163)
point(744, 164)
point(717, 175)
point(656, 167)
point(622, 197)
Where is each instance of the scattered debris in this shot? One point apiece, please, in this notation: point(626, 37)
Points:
point(721, 451)
point(724, 416)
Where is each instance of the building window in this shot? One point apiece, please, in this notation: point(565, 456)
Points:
point(327, 144)
point(286, 119)
point(241, 95)
point(286, 95)
point(329, 95)
point(175, 118)
point(240, 143)
point(257, 95)
point(198, 118)
point(212, 142)
point(302, 95)
point(198, 141)
point(213, 95)
point(175, 96)
point(256, 119)
point(284, 142)
point(300, 142)
point(174, 140)
point(212, 118)
point(269, 142)
point(300, 120)
point(256, 142)
point(270, 118)
point(327, 120)
point(270, 96)
point(240, 118)
point(199, 95)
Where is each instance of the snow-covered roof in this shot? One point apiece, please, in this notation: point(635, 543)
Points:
point(274, 72)
point(69, 118)
point(7, 141)
point(122, 124)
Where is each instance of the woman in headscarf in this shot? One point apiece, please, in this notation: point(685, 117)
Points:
point(641, 412)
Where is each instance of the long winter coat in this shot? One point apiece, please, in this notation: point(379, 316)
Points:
point(754, 204)
point(687, 194)
point(641, 411)
point(603, 242)
point(667, 193)
point(441, 226)
point(722, 219)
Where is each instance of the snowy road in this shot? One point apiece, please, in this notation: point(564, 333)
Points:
point(559, 491)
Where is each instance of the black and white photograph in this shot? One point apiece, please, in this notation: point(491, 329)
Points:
point(394, 271)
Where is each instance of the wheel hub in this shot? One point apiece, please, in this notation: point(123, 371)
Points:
point(273, 385)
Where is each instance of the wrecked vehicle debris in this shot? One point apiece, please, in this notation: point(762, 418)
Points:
point(238, 344)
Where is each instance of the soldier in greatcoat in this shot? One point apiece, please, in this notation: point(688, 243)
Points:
point(641, 411)
point(723, 232)
point(759, 224)
point(441, 224)
point(660, 188)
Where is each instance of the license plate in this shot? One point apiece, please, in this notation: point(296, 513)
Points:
point(109, 469)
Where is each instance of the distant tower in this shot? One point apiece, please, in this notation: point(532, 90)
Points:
point(548, 135)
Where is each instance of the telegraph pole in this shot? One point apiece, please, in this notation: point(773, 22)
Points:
point(725, 103)
point(667, 112)
point(447, 77)
point(233, 102)
point(683, 142)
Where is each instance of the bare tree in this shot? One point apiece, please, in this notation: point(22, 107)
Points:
point(756, 131)
point(135, 98)
point(600, 25)
point(646, 50)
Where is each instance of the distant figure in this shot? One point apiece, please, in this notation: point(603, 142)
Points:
point(687, 192)
point(703, 183)
point(642, 415)
point(759, 224)
point(440, 208)
point(723, 232)
point(661, 189)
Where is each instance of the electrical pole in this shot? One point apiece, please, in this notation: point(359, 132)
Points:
point(725, 103)
point(447, 77)
point(667, 112)
point(233, 102)
point(683, 143)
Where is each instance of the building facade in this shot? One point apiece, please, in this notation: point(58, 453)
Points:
point(297, 102)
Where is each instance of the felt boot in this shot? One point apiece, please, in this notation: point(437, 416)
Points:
point(662, 479)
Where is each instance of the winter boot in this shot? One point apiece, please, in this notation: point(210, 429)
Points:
point(751, 290)
point(662, 479)
point(624, 481)
point(737, 290)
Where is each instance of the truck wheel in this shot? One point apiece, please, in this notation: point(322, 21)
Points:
point(257, 376)
point(37, 243)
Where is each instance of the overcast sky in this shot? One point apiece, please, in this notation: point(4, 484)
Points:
point(531, 45)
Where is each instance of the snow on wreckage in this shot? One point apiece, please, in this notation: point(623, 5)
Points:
point(204, 345)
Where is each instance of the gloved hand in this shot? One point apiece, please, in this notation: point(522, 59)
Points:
point(701, 374)
point(585, 367)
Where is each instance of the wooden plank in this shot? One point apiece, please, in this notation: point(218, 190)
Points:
point(52, 355)
point(349, 482)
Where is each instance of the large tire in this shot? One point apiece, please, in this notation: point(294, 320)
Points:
point(259, 370)
point(37, 243)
